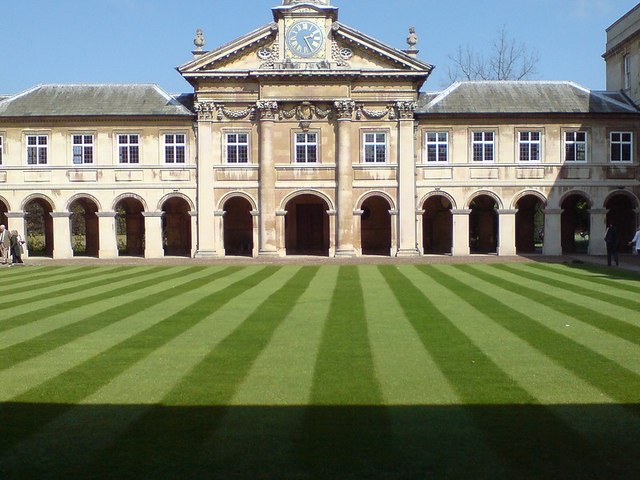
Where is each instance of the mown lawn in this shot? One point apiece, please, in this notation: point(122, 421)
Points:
point(502, 371)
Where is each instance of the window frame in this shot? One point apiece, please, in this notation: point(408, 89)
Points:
point(306, 145)
point(175, 146)
point(566, 143)
point(129, 146)
point(376, 144)
point(84, 147)
point(484, 143)
point(39, 148)
point(621, 143)
point(437, 144)
point(237, 146)
point(520, 142)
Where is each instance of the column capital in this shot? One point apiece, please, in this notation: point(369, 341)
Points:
point(461, 211)
point(507, 211)
point(60, 214)
point(406, 109)
point(268, 109)
point(152, 214)
point(345, 109)
point(552, 211)
point(106, 214)
point(14, 214)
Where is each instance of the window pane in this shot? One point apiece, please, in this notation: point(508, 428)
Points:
point(242, 138)
point(368, 153)
point(243, 154)
point(168, 154)
point(431, 153)
point(442, 153)
point(180, 156)
point(77, 155)
point(88, 155)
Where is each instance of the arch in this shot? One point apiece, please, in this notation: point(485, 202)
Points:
point(238, 226)
point(375, 225)
point(487, 193)
point(575, 222)
point(176, 225)
point(529, 206)
point(39, 225)
point(434, 193)
point(484, 223)
point(437, 223)
point(632, 197)
point(621, 213)
point(307, 191)
point(246, 196)
point(180, 195)
point(307, 224)
point(376, 193)
point(517, 197)
point(88, 196)
point(85, 235)
point(4, 209)
point(581, 193)
point(38, 196)
point(130, 226)
point(134, 196)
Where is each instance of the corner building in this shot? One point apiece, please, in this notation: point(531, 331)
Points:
point(307, 137)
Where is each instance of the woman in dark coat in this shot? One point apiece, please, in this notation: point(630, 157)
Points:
point(16, 247)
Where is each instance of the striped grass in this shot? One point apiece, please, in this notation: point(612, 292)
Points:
point(391, 371)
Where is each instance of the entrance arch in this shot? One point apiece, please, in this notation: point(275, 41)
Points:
point(238, 227)
point(84, 227)
point(39, 227)
point(4, 220)
point(437, 225)
point(621, 213)
point(575, 223)
point(483, 224)
point(307, 226)
point(176, 227)
point(529, 224)
point(130, 228)
point(375, 226)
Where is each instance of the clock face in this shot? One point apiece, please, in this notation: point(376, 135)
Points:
point(304, 38)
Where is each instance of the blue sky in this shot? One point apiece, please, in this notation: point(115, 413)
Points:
point(142, 41)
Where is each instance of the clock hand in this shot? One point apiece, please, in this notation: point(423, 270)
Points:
point(306, 40)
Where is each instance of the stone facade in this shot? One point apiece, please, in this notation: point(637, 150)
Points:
point(306, 136)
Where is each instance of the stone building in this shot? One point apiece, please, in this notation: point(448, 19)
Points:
point(307, 136)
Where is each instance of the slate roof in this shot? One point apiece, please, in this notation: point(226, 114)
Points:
point(522, 97)
point(93, 100)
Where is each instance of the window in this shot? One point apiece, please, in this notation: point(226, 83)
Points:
point(128, 149)
point(174, 148)
point(82, 149)
point(483, 146)
point(437, 144)
point(626, 66)
point(37, 149)
point(375, 147)
point(1, 148)
point(529, 146)
point(575, 146)
point(306, 145)
point(237, 147)
point(621, 144)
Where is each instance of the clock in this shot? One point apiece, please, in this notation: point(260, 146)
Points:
point(304, 38)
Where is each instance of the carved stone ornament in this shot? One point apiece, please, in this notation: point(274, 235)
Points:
point(362, 112)
point(205, 110)
point(268, 109)
point(304, 111)
point(406, 110)
point(345, 108)
point(215, 111)
point(199, 41)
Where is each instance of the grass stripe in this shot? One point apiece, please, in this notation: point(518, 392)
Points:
point(595, 369)
point(213, 381)
point(512, 432)
point(79, 382)
point(572, 287)
point(611, 280)
point(27, 276)
point(53, 339)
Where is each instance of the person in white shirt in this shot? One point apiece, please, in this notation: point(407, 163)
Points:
point(636, 240)
point(5, 244)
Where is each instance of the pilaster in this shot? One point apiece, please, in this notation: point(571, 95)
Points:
point(61, 235)
point(597, 229)
point(406, 180)
point(267, 220)
point(153, 235)
point(205, 197)
point(107, 232)
point(344, 173)
point(460, 232)
point(507, 232)
point(552, 241)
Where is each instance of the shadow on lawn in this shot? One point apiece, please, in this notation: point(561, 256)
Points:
point(313, 442)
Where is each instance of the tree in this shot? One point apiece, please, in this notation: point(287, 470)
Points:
point(506, 60)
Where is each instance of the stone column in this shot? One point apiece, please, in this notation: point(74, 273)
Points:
point(332, 232)
point(552, 240)
point(344, 180)
point(406, 181)
point(219, 232)
point(62, 235)
point(205, 181)
point(281, 244)
point(420, 230)
point(194, 232)
point(597, 229)
point(267, 195)
point(16, 222)
point(153, 235)
point(357, 231)
point(108, 235)
point(255, 222)
point(507, 232)
point(460, 232)
point(395, 220)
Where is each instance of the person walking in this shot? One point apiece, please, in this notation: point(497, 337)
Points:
point(612, 240)
point(636, 240)
point(16, 248)
point(5, 244)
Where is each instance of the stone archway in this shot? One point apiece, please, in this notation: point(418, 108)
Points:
point(483, 224)
point(130, 227)
point(238, 227)
point(621, 213)
point(176, 227)
point(39, 227)
point(85, 236)
point(575, 224)
point(437, 225)
point(375, 226)
point(307, 226)
point(529, 224)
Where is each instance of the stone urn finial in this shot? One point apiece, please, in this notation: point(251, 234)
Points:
point(412, 39)
point(199, 40)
